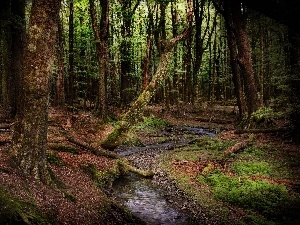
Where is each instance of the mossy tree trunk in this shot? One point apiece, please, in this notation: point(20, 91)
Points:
point(29, 140)
point(132, 116)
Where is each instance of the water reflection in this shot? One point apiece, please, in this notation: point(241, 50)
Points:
point(146, 202)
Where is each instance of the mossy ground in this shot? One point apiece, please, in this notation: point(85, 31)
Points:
point(256, 182)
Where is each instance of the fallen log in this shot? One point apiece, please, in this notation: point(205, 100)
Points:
point(267, 130)
point(235, 148)
point(93, 150)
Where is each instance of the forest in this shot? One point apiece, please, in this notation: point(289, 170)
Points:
point(149, 112)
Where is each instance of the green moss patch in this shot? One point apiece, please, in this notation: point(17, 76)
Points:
point(14, 211)
point(253, 180)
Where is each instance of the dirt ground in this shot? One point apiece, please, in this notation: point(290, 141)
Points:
point(78, 200)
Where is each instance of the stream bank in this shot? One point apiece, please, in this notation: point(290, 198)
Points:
point(159, 200)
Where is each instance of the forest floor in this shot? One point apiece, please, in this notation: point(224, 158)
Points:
point(83, 180)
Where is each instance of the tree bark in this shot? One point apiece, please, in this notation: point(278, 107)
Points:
point(236, 76)
point(244, 54)
point(127, 83)
point(294, 39)
point(59, 98)
point(71, 84)
point(29, 140)
point(101, 38)
point(132, 116)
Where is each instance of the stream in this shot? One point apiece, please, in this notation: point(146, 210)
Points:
point(158, 200)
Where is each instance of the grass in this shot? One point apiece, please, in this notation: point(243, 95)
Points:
point(259, 195)
point(242, 183)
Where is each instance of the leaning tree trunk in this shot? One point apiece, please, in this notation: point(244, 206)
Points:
point(133, 115)
point(29, 140)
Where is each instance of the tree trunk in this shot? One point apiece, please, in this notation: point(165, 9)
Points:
point(6, 42)
point(29, 140)
point(101, 39)
point(71, 85)
point(127, 83)
point(244, 54)
point(294, 38)
point(175, 90)
point(59, 98)
point(146, 61)
point(132, 116)
point(232, 45)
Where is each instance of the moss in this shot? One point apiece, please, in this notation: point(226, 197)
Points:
point(15, 211)
point(54, 159)
point(70, 196)
point(101, 178)
point(64, 148)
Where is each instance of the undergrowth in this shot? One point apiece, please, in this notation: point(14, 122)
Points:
point(246, 180)
point(259, 195)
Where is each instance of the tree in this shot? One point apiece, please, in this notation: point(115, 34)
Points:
point(101, 39)
point(72, 78)
point(133, 115)
point(238, 25)
point(29, 140)
point(128, 9)
point(59, 98)
point(12, 35)
point(232, 45)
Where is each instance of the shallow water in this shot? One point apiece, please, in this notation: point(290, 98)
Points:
point(146, 202)
point(141, 197)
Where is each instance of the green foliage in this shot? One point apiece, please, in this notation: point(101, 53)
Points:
point(263, 117)
point(259, 195)
point(252, 168)
point(65, 148)
point(14, 211)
